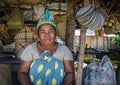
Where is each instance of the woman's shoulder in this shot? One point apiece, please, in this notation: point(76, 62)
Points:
point(31, 45)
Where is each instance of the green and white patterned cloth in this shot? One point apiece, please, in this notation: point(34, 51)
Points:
point(46, 70)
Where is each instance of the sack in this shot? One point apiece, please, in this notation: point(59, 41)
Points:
point(23, 38)
point(99, 73)
point(31, 2)
point(16, 20)
point(26, 34)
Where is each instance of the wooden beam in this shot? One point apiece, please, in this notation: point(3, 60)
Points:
point(10, 7)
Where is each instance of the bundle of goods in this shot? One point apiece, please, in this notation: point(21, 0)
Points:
point(102, 73)
point(91, 17)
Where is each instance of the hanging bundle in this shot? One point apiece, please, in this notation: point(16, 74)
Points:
point(16, 20)
point(91, 17)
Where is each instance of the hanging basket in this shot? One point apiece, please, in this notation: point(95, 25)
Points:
point(11, 2)
point(91, 17)
point(31, 2)
point(16, 20)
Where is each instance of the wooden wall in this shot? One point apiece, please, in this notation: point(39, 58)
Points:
point(98, 42)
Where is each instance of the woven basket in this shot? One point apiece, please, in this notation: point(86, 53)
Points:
point(23, 38)
point(13, 2)
point(31, 2)
point(61, 20)
point(26, 34)
point(16, 20)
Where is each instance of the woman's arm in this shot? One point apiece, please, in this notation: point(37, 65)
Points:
point(69, 72)
point(23, 72)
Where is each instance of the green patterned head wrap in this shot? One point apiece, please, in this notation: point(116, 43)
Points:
point(48, 20)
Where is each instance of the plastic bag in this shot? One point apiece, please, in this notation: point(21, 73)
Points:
point(102, 73)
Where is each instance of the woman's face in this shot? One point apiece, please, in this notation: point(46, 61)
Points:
point(47, 34)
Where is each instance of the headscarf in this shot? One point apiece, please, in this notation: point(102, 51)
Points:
point(48, 20)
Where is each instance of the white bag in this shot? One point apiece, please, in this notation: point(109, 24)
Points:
point(100, 73)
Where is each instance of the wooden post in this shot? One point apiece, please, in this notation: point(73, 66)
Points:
point(96, 35)
point(81, 56)
point(81, 51)
point(103, 42)
point(108, 43)
point(71, 24)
